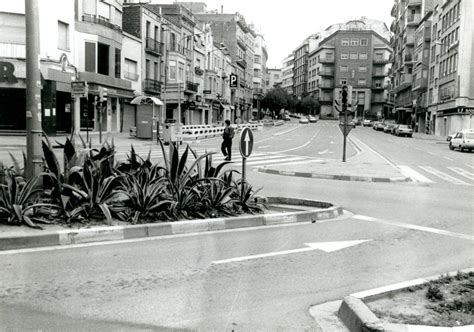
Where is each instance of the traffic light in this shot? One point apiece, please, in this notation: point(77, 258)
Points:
point(337, 105)
point(345, 91)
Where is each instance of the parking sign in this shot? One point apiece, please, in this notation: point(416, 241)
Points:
point(233, 80)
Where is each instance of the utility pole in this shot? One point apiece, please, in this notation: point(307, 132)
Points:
point(34, 132)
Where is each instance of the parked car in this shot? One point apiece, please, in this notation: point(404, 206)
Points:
point(450, 137)
point(388, 125)
point(366, 123)
point(353, 123)
point(304, 120)
point(286, 117)
point(463, 140)
point(312, 119)
point(357, 122)
point(404, 130)
point(379, 126)
point(392, 131)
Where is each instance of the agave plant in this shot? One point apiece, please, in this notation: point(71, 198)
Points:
point(245, 199)
point(134, 163)
point(20, 200)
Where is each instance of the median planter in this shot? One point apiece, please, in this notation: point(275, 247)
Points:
point(431, 304)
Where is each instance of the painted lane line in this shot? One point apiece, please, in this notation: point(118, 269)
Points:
point(471, 166)
point(359, 142)
point(411, 173)
point(324, 246)
point(269, 162)
point(416, 227)
point(443, 175)
point(462, 172)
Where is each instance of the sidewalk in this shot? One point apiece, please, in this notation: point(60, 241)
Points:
point(429, 137)
point(366, 166)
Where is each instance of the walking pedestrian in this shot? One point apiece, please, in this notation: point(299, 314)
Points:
point(227, 136)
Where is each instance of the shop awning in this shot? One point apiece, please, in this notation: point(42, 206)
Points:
point(143, 100)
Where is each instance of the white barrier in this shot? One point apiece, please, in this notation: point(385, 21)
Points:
point(194, 132)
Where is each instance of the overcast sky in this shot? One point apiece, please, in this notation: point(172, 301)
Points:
point(285, 24)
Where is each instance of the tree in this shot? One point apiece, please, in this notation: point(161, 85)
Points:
point(276, 99)
point(308, 105)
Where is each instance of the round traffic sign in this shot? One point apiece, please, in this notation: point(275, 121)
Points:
point(246, 143)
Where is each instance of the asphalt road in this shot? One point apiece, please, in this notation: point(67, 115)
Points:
point(412, 230)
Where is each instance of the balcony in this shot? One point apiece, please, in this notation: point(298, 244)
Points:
point(409, 39)
point(326, 72)
point(420, 84)
point(258, 91)
point(326, 85)
point(242, 82)
point(153, 46)
point(380, 72)
point(191, 86)
point(410, 3)
point(326, 60)
point(378, 98)
point(152, 86)
point(381, 61)
point(181, 50)
point(100, 20)
point(241, 62)
point(379, 86)
point(406, 79)
point(413, 19)
point(325, 98)
point(130, 76)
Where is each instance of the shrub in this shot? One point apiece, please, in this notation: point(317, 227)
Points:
point(433, 293)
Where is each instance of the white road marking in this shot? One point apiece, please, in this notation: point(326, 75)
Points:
point(471, 166)
point(462, 172)
point(416, 227)
point(411, 173)
point(324, 246)
point(359, 142)
point(443, 175)
point(323, 152)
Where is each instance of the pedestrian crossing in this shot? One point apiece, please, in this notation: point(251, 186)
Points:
point(457, 175)
point(257, 159)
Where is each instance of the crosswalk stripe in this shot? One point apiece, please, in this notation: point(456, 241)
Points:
point(443, 175)
point(251, 159)
point(471, 166)
point(410, 172)
point(462, 172)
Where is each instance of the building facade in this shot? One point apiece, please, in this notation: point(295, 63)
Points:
point(274, 77)
point(287, 74)
point(259, 74)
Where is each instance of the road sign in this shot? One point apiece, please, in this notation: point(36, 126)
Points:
point(246, 143)
point(348, 128)
point(233, 80)
point(79, 88)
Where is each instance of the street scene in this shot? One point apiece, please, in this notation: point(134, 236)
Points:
point(178, 166)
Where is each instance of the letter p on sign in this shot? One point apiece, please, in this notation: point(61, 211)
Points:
point(233, 80)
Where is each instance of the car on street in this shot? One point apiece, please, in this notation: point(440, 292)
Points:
point(388, 125)
point(304, 120)
point(463, 140)
point(403, 130)
point(312, 119)
point(366, 123)
point(286, 117)
point(379, 126)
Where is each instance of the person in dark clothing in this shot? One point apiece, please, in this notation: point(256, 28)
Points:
point(227, 136)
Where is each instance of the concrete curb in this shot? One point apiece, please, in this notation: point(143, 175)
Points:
point(335, 177)
point(321, 211)
point(357, 316)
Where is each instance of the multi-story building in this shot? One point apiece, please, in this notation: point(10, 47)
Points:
point(451, 83)
point(300, 65)
point(287, 74)
point(354, 53)
point(239, 38)
point(274, 77)
point(57, 55)
point(259, 73)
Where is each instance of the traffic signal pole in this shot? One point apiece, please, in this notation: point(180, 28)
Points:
point(34, 132)
point(344, 109)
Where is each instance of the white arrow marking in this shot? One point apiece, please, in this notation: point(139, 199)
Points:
point(323, 152)
point(324, 246)
point(246, 139)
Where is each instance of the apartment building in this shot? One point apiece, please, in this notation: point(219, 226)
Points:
point(354, 53)
point(451, 73)
point(287, 74)
point(274, 77)
point(259, 74)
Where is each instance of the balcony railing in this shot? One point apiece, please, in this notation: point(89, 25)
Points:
point(379, 86)
point(257, 91)
point(130, 76)
point(180, 49)
point(191, 86)
point(413, 19)
point(242, 63)
point(326, 72)
point(326, 60)
point(326, 85)
point(151, 85)
point(100, 20)
point(381, 61)
point(413, 3)
point(406, 79)
point(380, 73)
point(154, 46)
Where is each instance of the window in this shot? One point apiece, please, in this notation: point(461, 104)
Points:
point(354, 42)
point(148, 69)
point(102, 59)
point(156, 73)
point(118, 63)
point(344, 81)
point(172, 69)
point(362, 69)
point(344, 69)
point(63, 36)
point(103, 10)
point(378, 84)
point(361, 81)
point(345, 42)
point(130, 70)
point(344, 56)
point(364, 42)
point(361, 97)
point(90, 57)
point(354, 56)
point(363, 56)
